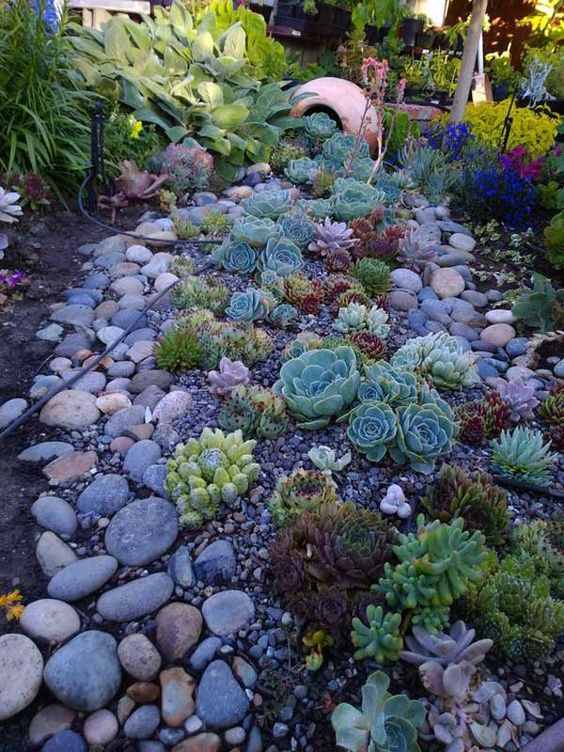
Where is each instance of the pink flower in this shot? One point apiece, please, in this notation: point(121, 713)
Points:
point(400, 90)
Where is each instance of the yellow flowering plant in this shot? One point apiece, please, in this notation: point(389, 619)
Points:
point(11, 604)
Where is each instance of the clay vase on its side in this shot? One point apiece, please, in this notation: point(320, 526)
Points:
point(343, 99)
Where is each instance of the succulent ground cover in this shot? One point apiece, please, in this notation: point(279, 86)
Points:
point(219, 539)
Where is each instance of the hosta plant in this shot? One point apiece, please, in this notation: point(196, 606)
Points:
point(331, 236)
point(522, 455)
point(255, 231)
point(439, 358)
point(301, 491)
point(297, 227)
point(255, 411)
point(355, 318)
point(472, 496)
point(385, 723)
point(319, 385)
point(268, 204)
point(206, 471)
point(373, 275)
point(230, 374)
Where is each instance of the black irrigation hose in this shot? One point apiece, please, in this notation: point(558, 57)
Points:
point(24, 417)
point(522, 486)
point(129, 234)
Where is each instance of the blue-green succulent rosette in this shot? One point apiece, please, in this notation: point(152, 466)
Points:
point(424, 433)
point(255, 231)
point(372, 429)
point(236, 257)
point(384, 383)
point(319, 385)
point(281, 256)
point(250, 305)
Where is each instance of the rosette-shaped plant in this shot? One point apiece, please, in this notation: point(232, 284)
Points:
point(358, 318)
point(331, 236)
point(306, 294)
point(269, 204)
point(370, 345)
point(200, 292)
point(235, 257)
point(318, 208)
point(206, 471)
point(482, 419)
point(386, 723)
point(282, 315)
point(474, 497)
point(353, 198)
point(280, 256)
point(302, 491)
point(319, 385)
point(439, 358)
point(338, 261)
point(255, 231)
point(297, 227)
point(255, 411)
point(384, 383)
point(301, 171)
point(338, 150)
point(522, 454)
point(552, 409)
point(437, 565)
point(250, 305)
point(177, 350)
point(544, 540)
point(519, 398)
point(325, 458)
point(372, 429)
point(302, 343)
point(236, 340)
point(373, 275)
point(231, 373)
point(445, 648)
point(380, 639)
point(319, 126)
point(415, 252)
point(336, 284)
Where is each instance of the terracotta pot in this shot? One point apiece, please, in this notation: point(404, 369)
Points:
point(343, 98)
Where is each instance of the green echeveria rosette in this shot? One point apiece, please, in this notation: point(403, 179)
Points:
point(424, 433)
point(255, 231)
point(301, 171)
point(250, 305)
point(372, 429)
point(384, 383)
point(319, 385)
point(269, 204)
point(282, 257)
point(297, 227)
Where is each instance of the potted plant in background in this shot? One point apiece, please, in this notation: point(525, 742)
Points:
point(411, 26)
point(426, 38)
point(376, 17)
point(262, 7)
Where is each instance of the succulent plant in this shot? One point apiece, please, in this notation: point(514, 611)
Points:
point(370, 345)
point(338, 151)
point(200, 292)
point(255, 231)
point(380, 639)
point(231, 373)
point(319, 385)
point(297, 227)
point(436, 566)
point(352, 198)
point(206, 471)
point(439, 358)
point(338, 261)
point(394, 502)
point(318, 208)
point(552, 409)
point(483, 418)
point(373, 275)
point(236, 340)
point(250, 305)
point(302, 343)
point(522, 455)
point(301, 491)
point(280, 256)
point(474, 497)
point(216, 223)
point(306, 294)
point(323, 183)
point(386, 723)
point(284, 152)
point(236, 257)
point(255, 411)
point(188, 169)
point(519, 398)
point(301, 171)
point(556, 438)
point(414, 252)
point(543, 540)
point(177, 350)
point(335, 284)
point(358, 318)
point(268, 204)
point(183, 267)
point(325, 459)
point(331, 236)
point(384, 383)
point(319, 126)
point(445, 648)
point(282, 315)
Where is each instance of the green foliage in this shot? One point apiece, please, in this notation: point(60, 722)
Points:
point(268, 204)
point(297, 227)
point(319, 385)
point(200, 292)
point(384, 383)
point(184, 229)
point(356, 318)
point(554, 239)
point(285, 151)
point(318, 127)
point(127, 138)
point(177, 350)
point(373, 275)
point(485, 418)
point(44, 112)
point(544, 542)
point(379, 640)
point(303, 292)
point(542, 307)
point(235, 340)
point(386, 723)
point(428, 169)
point(438, 358)
point(182, 266)
point(301, 171)
point(472, 496)
point(257, 412)
point(352, 198)
point(250, 305)
point(206, 471)
point(216, 222)
point(323, 183)
point(522, 455)
point(302, 491)
point(437, 565)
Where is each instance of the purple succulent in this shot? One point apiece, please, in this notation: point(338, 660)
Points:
point(231, 373)
point(519, 398)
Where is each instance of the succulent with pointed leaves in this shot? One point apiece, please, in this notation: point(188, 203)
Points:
point(519, 398)
point(332, 236)
point(454, 646)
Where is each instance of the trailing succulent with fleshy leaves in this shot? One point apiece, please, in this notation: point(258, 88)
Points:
point(268, 204)
point(231, 373)
point(482, 419)
point(255, 231)
point(543, 540)
point(319, 385)
point(472, 496)
point(297, 227)
point(386, 723)
point(301, 491)
point(417, 432)
point(324, 562)
point(331, 236)
point(206, 471)
point(356, 318)
point(439, 358)
point(373, 275)
point(380, 637)
point(255, 411)
point(522, 455)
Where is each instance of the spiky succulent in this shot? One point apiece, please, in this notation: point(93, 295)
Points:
point(331, 236)
point(284, 152)
point(340, 550)
point(439, 358)
point(269, 204)
point(436, 566)
point(323, 183)
point(386, 723)
point(177, 350)
point(519, 398)
point(319, 385)
point(552, 409)
point(301, 491)
point(206, 471)
point(522, 455)
point(301, 171)
point(556, 438)
point(370, 345)
point(474, 497)
point(306, 294)
point(483, 418)
point(335, 284)
point(373, 275)
point(200, 292)
point(255, 231)
point(352, 295)
point(297, 227)
point(236, 340)
point(255, 411)
point(338, 261)
point(250, 305)
point(454, 646)
point(319, 126)
point(415, 252)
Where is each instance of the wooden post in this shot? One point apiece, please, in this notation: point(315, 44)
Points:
point(468, 60)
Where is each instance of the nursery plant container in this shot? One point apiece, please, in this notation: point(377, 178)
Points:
point(263, 9)
point(292, 15)
point(342, 18)
point(425, 40)
point(409, 29)
point(374, 34)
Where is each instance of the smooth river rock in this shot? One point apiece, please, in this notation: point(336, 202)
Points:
point(142, 531)
point(71, 408)
point(105, 496)
point(221, 702)
point(136, 598)
point(227, 611)
point(21, 668)
point(82, 578)
point(50, 620)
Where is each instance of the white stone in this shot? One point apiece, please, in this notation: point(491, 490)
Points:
point(109, 403)
point(394, 502)
point(500, 316)
point(100, 727)
point(71, 408)
point(50, 620)
point(138, 254)
point(164, 280)
point(21, 671)
point(462, 242)
point(109, 334)
point(172, 407)
point(407, 280)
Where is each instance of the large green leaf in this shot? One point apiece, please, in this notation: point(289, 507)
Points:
point(175, 133)
point(139, 34)
point(234, 42)
point(116, 42)
point(152, 115)
point(211, 93)
point(229, 116)
point(180, 18)
point(202, 46)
